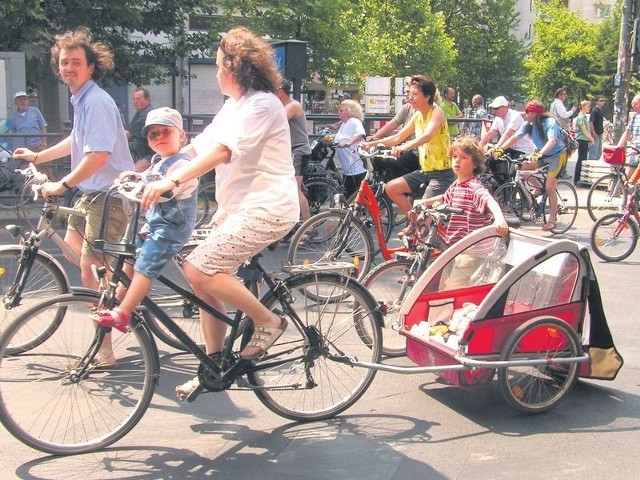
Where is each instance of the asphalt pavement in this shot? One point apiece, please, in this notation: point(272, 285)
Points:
point(404, 427)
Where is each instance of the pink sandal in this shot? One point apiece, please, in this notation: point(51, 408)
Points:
point(115, 318)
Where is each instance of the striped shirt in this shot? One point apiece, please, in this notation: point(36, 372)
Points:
point(472, 197)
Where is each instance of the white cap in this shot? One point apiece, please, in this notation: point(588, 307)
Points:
point(20, 94)
point(499, 102)
point(162, 116)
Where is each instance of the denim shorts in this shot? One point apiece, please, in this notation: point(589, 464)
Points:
point(154, 253)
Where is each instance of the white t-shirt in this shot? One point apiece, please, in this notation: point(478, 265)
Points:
point(348, 156)
point(512, 121)
point(260, 176)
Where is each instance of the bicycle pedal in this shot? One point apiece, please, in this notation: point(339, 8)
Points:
point(193, 394)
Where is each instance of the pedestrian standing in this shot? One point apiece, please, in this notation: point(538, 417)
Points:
point(584, 138)
point(596, 125)
point(451, 110)
point(138, 145)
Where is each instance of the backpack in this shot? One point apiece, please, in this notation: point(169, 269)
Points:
point(569, 140)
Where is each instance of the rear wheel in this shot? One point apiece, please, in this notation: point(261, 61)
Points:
point(511, 200)
point(320, 193)
point(613, 239)
point(326, 237)
point(340, 319)
point(74, 409)
point(389, 284)
point(536, 389)
point(567, 198)
point(44, 280)
point(606, 195)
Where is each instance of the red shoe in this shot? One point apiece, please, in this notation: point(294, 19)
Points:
point(115, 318)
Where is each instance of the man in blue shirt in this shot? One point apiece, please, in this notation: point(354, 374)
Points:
point(27, 119)
point(98, 147)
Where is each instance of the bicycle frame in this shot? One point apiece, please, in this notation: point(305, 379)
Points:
point(366, 198)
point(237, 366)
point(630, 211)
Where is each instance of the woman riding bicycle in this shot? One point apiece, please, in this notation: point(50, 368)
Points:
point(249, 145)
point(432, 141)
point(550, 149)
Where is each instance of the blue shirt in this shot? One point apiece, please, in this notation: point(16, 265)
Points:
point(173, 219)
point(97, 127)
point(551, 129)
point(29, 121)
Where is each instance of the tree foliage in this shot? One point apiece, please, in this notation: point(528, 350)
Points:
point(147, 36)
point(398, 39)
point(489, 60)
point(562, 53)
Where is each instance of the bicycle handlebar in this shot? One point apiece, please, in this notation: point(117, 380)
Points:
point(375, 152)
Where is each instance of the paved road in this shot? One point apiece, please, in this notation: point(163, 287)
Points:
point(405, 426)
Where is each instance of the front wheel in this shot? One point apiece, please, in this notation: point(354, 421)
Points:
point(72, 409)
point(567, 199)
point(606, 195)
point(614, 238)
point(329, 315)
point(333, 237)
point(42, 279)
point(511, 200)
point(538, 388)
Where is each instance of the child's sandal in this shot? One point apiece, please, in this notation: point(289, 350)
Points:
point(115, 318)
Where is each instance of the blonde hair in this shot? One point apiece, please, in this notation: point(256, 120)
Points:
point(353, 108)
point(98, 54)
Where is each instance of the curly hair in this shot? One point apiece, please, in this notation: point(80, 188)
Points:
point(250, 60)
point(353, 108)
point(469, 145)
point(98, 54)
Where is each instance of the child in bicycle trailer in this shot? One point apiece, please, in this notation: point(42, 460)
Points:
point(551, 149)
point(468, 194)
point(169, 223)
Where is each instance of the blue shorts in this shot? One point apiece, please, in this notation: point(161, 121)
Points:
point(154, 253)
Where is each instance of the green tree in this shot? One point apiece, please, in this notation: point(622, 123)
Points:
point(489, 60)
point(400, 38)
point(321, 23)
point(562, 53)
point(147, 38)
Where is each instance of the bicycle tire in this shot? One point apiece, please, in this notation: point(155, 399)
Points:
point(389, 284)
point(325, 238)
point(207, 205)
point(315, 387)
point(45, 279)
point(536, 389)
point(611, 240)
point(510, 199)
point(69, 413)
point(606, 195)
point(567, 207)
point(387, 217)
point(320, 192)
